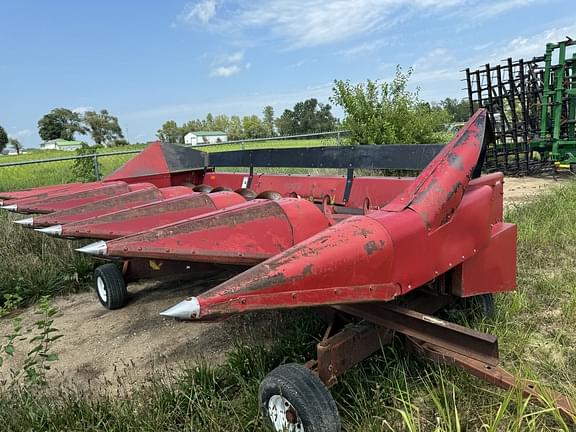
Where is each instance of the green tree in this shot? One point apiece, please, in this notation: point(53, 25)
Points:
point(306, 117)
point(253, 127)
point(235, 130)
point(209, 122)
point(171, 133)
point(268, 120)
point(103, 127)
point(15, 144)
point(384, 113)
point(84, 169)
point(458, 110)
point(192, 126)
point(60, 123)
point(3, 139)
point(220, 123)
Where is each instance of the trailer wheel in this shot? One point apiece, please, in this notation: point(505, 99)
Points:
point(293, 399)
point(110, 286)
point(482, 305)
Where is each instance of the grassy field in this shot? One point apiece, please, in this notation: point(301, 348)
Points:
point(42, 174)
point(391, 391)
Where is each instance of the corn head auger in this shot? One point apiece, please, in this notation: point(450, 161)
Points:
point(377, 256)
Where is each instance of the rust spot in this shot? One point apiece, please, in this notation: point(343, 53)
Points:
point(362, 232)
point(463, 139)
point(423, 193)
point(455, 189)
point(455, 161)
point(372, 246)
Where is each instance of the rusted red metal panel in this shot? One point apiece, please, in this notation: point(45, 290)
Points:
point(438, 190)
point(73, 198)
point(379, 191)
point(150, 162)
point(340, 264)
point(44, 190)
point(232, 181)
point(57, 192)
point(420, 255)
point(150, 216)
point(100, 207)
point(492, 269)
point(243, 234)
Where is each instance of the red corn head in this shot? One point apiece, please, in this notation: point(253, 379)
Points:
point(148, 216)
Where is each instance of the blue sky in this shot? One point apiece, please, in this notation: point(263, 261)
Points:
point(151, 61)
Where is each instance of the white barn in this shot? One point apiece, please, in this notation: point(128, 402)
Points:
point(205, 137)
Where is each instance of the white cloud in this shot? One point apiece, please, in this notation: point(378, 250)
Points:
point(308, 23)
point(226, 65)
point(234, 57)
point(200, 11)
point(367, 47)
point(225, 71)
point(532, 45)
point(228, 58)
point(493, 8)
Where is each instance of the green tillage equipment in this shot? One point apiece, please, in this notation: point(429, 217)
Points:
point(532, 105)
point(557, 138)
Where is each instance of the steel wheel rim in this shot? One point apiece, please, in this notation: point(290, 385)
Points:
point(101, 289)
point(283, 415)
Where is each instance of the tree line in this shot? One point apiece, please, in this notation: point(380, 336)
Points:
point(309, 116)
point(375, 113)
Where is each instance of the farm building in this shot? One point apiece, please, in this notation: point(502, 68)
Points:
point(205, 137)
point(60, 144)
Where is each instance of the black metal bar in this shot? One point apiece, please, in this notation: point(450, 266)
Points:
point(349, 181)
point(469, 88)
point(512, 103)
point(411, 157)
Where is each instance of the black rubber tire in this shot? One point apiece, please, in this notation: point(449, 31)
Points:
point(114, 285)
point(315, 408)
point(482, 305)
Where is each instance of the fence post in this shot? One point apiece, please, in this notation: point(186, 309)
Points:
point(338, 138)
point(96, 167)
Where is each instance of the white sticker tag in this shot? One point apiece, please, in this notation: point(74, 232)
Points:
point(245, 182)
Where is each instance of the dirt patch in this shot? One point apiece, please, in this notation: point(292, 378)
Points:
point(102, 347)
point(519, 190)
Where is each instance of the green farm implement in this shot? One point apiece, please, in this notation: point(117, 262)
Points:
point(533, 107)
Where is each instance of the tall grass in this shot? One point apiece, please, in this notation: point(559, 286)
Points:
point(33, 265)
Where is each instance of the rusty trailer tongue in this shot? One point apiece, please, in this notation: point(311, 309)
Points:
point(382, 254)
